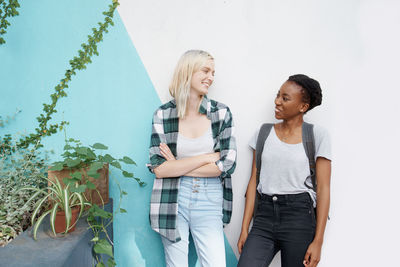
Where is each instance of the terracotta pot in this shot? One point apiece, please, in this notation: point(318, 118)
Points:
point(102, 183)
point(60, 223)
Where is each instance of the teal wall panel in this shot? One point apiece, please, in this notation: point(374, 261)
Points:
point(110, 102)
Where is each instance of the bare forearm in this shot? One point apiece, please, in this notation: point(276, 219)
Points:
point(250, 197)
point(323, 197)
point(175, 168)
point(249, 204)
point(323, 168)
point(208, 170)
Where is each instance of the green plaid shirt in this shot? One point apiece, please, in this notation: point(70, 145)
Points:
point(164, 198)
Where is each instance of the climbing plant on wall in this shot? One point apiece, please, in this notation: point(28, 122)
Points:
point(32, 142)
point(7, 9)
point(77, 63)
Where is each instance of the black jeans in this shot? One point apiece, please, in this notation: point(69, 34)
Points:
point(282, 222)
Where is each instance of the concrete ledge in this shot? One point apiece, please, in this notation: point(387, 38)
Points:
point(73, 249)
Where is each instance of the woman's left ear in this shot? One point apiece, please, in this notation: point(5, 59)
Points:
point(304, 108)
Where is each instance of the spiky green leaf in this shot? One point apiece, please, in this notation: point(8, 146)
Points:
point(38, 222)
point(37, 208)
point(67, 208)
point(53, 217)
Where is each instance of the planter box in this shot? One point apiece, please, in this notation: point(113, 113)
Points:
point(72, 250)
point(101, 183)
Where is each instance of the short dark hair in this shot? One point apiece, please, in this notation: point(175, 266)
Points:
point(312, 93)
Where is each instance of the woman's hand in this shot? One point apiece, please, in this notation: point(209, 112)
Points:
point(313, 255)
point(166, 152)
point(242, 240)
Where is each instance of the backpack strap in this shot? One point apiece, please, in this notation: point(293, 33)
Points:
point(262, 136)
point(309, 147)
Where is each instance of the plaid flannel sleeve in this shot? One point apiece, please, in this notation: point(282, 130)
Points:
point(157, 137)
point(227, 162)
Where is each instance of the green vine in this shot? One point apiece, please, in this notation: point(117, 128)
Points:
point(6, 11)
point(78, 63)
point(98, 219)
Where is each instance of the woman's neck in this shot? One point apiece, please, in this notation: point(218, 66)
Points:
point(292, 124)
point(192, 106)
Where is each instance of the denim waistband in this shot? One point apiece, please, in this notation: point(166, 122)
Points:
point(200, 180)
point(287, 198)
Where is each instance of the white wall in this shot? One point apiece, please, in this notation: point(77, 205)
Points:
point(350, 46)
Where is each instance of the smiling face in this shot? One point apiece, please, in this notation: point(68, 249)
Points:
point(203, 78)
point(289, 101)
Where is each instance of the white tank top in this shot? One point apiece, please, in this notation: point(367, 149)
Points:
point(189, 147)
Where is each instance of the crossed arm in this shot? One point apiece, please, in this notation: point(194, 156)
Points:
point(196, 166)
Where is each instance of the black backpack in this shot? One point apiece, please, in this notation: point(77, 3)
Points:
point(309, 147)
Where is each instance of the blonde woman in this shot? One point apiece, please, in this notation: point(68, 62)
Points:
point(193, 155)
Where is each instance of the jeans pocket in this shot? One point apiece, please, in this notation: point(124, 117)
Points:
point(214, 196)
point(305, 211)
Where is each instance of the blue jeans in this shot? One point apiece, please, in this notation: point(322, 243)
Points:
point(200, 211)
point(282, 222)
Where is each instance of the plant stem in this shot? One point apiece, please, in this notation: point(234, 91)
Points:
point(77, 63)
point(9, 10)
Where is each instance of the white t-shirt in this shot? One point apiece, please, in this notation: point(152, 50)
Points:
point(189, 147)
point(285, 167)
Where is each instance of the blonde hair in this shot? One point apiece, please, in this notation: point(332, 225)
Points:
point(179, 88)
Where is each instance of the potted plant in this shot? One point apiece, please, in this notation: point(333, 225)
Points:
point(64, 204)
point(89, 168)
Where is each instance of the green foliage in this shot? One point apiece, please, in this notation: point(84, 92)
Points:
point(7, 10)
point(99, 220)
point(86, 161)
point(7, 233)
point(31, 203)
point(103, 247)
point(19, 169)
point(80, 62)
